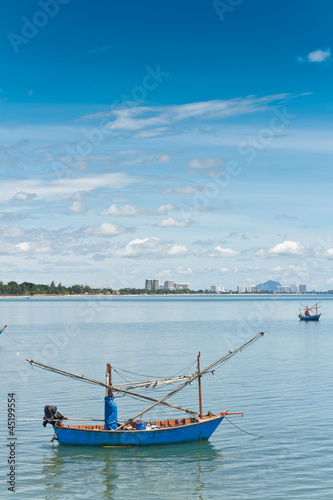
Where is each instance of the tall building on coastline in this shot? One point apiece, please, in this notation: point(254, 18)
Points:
point(152, 284)
point(169, 285)
point(149, 284)
point(182, 286)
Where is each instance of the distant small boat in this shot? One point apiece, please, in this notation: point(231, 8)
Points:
point(134, 431)
point(3, 329)
point(310, 313)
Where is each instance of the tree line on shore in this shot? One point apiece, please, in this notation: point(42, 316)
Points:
point(27, 288)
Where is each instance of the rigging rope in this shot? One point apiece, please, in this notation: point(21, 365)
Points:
point(246, 432)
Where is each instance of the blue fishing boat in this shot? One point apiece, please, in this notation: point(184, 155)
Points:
point(135, 431)
point(140, 433)
point(310, 313)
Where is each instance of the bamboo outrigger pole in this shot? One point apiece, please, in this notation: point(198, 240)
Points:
point(112, 388)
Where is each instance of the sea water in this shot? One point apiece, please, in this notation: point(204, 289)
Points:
point(283, 383)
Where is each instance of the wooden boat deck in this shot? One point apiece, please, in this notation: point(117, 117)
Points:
point(159, 424)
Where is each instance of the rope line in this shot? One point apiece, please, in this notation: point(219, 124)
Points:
point(246, 432)
point(53, 439)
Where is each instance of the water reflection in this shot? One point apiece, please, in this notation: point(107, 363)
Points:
point(107, 471)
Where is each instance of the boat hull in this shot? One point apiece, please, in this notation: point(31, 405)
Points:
point(198, 431)
point(314, 317)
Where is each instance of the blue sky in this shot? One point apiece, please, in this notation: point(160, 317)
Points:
point(180, 140)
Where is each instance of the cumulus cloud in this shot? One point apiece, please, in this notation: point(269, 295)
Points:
point(22, 196)
point(124, 210)
point(223, 252)
point(171, 222)
point(151, 247)
point(164, 209)
point(328, 254)
point(106, 229)
point(316, 56)
point(27, 247)
point(77, 206)
point(285, 248)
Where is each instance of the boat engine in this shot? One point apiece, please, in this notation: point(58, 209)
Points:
point(51, 415)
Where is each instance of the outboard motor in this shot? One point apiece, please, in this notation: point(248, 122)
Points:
point(51, 415)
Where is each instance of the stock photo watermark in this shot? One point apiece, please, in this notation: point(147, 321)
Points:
point(79, 152)
point(31, 27)
point(222, 8)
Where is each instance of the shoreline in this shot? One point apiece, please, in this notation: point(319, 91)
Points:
point(273, 295)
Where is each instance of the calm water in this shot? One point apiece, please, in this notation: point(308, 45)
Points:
point(283, 383)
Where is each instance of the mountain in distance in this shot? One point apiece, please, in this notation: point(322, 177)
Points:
point(269, 286)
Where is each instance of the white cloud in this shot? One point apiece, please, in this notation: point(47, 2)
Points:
point(106, 229)
point(329, 281)
point(317, 56)
point(223, 252)
point(328, 254)
point(124, 210)
point(60, 188)
point(203, 164)
point(154, 132)
point(171, 222)
point(164, 209)
point(78, 207)
point(22, 196)
point(285, 248)
point(176, 250)
point(138, 118)
point(151, 247)
point(26, 247)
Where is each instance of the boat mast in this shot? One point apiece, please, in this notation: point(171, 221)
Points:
point(109, 392)
point(199, 385)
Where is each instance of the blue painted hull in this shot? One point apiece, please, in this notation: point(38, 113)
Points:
point(97, 437)
point(314, 317)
